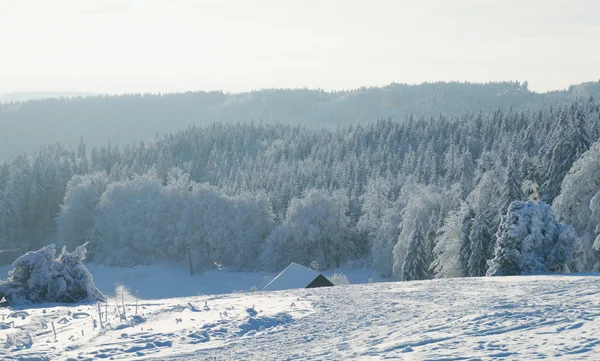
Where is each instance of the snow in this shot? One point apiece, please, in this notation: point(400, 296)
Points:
point(168, 280)
point(517, 318)
point(40, 277)
point(293, 276)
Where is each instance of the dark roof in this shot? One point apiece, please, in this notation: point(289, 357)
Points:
point(320, 281)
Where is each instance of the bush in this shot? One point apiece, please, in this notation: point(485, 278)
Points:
point(339, 279)
point(39, 277)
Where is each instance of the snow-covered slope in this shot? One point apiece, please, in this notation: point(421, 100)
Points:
point(168, 280)
point(512, 318)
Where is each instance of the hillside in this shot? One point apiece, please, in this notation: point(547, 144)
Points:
point(257, 196)
point(516, 318)
point(125, 119)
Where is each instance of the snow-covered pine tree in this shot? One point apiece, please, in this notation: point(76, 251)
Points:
point(512, 187)
point(94, 241)
point(479, 238)
point(164, 164)
point(375, 203)
point(423, 204)
point(430, 243)
point(530, 240)
point(570, 142)
point(386, 239)
point(577, 205)
point(447, 246)
point(416, 265)
point(465, 241)
point(83, 163)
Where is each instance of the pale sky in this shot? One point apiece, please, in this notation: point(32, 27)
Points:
point(117, 46)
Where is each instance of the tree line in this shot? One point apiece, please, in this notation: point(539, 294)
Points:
point(124, 119)
point(418, 198)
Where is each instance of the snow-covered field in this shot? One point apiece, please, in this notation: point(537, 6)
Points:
point(512, 318)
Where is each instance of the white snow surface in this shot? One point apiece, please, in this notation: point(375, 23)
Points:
point(498, 318)
point(293, 276)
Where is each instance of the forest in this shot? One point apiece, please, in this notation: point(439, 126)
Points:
point(494, 189)
point(125, 119)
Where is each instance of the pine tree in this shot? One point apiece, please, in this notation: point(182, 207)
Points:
point(430, 247)
point(164, 165)
point(570, 142)
point(465, 242)
point(416, 260)
point(530, 240)
point(83, 165)
point(512, 185)
point(479, 238)
point(94, 242)
point(577, 205)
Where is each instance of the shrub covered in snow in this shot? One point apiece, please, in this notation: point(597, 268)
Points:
point(339, 279)
point(530, 240)
point(40, 277)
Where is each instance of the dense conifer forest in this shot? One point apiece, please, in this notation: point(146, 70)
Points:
point(417, 182)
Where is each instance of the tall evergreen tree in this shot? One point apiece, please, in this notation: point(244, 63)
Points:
point(416, 265)
point(570, 141)
point(479, 239)
point(465, 242)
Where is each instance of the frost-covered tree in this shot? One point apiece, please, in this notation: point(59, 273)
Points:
point(423, 210)
point(446, 253)
point(375, 202)
point(577, 205)
point(139, 219)
point(531, 240)
point(511, 189)
point(76, 220)
point(164, 164)
point(416, 265)
point(83, 163)
point(466, 226)
point(39, 277)
point(486, 202)
point(316, 228)
point(570, 140)
point(386, 239)
point(254, 221)
point(479, 240)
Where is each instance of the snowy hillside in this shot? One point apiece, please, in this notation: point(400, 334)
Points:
point(516, 318)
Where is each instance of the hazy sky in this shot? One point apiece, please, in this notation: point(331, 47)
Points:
point(118, 46)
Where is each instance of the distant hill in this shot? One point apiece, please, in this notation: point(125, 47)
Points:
point(125, 119)
point(25, 96)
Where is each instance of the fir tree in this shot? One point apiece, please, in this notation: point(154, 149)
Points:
point(465, 242)
point(415, 265)
point(479, 238)
point(512, 185)
point(530, 240)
